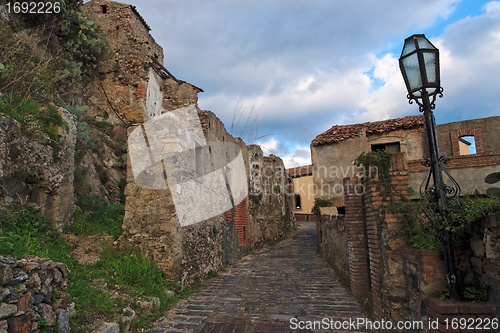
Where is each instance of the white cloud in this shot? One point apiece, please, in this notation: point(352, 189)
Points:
point(298, 67)
point(299, 157)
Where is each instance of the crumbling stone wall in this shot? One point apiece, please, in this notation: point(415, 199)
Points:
point(33, 289)
point(131, 88)
point(192, 252)
point(34, 169)
point(134, 88)
point(425, 272)
point(270, 198)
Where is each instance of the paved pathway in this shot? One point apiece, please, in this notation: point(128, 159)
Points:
point(264, 291)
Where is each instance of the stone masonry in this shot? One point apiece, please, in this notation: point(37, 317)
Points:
point(33, 290)
point(32, 170)
point(135, 88)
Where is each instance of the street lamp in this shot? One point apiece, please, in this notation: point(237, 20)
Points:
point(419, 64)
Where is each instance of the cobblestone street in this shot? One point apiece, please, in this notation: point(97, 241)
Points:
point(264, 291)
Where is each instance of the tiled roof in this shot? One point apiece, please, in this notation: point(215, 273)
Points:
point(301, 171)
point(343, 132)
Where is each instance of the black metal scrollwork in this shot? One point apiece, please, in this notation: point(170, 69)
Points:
point(428, 189)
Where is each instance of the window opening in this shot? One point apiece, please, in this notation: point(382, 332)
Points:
point(341, 210)
point(467, 145)
point(104, 9)
point(391, 147)
point(297, 202)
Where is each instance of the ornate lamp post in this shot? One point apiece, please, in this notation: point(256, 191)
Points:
point(419, 64)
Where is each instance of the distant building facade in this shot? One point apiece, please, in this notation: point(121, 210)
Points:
point(303, 186)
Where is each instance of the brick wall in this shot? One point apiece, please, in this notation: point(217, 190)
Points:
point(357, 239)
point(386, 243)
point(447, 317)
point(466, 161)
point(375, 241)
point(240, 221)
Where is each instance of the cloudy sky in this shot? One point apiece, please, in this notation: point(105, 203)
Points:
point(280, 72)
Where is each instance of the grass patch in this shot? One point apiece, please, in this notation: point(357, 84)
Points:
point(23, 232)
point(95, 217)
point(30, 114)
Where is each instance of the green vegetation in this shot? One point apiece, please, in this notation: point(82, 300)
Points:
point(425, 225)
point(95, 217)
point(319, 202)
point(380, 162)
point(31, 115)
point(23, 232)
point(42, 61)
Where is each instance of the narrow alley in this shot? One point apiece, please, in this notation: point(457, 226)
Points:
point(277, 289)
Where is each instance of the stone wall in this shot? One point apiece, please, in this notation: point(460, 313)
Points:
point(271, 198)
point(397, 280)
point(134, 89)
point(481, 265)
point(375, 240)
point(191, 252)
point(33, 290)
point(425, 273)
point(332, 242)
point(34, 169)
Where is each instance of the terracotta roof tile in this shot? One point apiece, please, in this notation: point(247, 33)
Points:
point(301, 171)
point(343, 132)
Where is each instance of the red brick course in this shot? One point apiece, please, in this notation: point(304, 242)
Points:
point(240, 220)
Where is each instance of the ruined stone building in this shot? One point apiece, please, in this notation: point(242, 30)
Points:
point(138, 93)
point(334, 151)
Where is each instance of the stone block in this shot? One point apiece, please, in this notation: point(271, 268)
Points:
point(477, 247)
point(19, 324)
point(48, 313)
point(7, 310)
point(5, 273)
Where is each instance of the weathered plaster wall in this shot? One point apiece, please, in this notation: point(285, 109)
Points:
point(333, 162)
point(468, 170)
point(304, 187)
point(33, 169)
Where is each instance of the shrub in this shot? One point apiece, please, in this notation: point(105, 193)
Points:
point(31, 115)
point(96, 217)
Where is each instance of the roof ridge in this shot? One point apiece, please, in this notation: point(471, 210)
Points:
point(339, 133)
